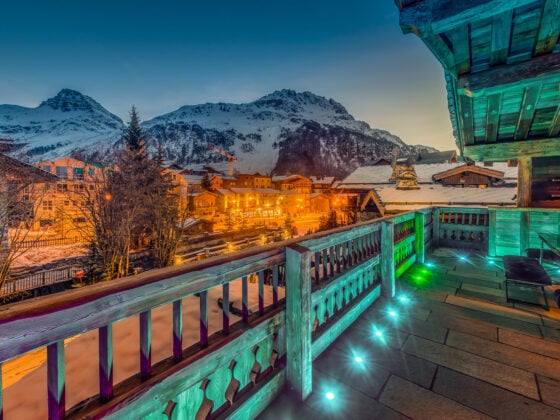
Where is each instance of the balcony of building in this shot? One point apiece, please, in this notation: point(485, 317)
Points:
point(402, 316)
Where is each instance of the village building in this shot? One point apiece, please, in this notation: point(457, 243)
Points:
point(322, 184)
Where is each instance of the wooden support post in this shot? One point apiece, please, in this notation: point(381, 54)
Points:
point(178, 330)
point(204, 318)
point(491, 232)
point(420, 239)
point(244, 299)
point(225, 308)
point(145, 344)
point(387, 259)
point(524, 173)
point(55, 380)
point(298, 320)
point(106, 362)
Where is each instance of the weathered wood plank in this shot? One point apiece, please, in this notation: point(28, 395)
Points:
point(275, 285)
point(261, 292)
point(244, 299)
point(512, 150)
point(145, 344)
point(461, 49)
point(501, 33)
point(298, 320)
point(549, 27)
point(493, 117)
point(178, 329)
point(492, 233)
point(106, 362)
point(225, 309)
point(388, 259)
point(527, 112)
point(467, 118)
point(56, 386)
point(536, 71)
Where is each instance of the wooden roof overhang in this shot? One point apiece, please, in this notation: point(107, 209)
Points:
point(14, 169)
point(502, 67)
point(469, 168)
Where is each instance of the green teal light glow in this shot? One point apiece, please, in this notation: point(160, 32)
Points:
point(463, 258)
point(329, 396)
point(358, 359)
point(430, 264)
point(393, 313)
point(378, 333)
point(404, 299)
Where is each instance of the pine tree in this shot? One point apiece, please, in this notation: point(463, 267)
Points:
point(133, 136)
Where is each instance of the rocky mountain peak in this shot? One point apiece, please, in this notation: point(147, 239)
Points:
point(292, 101)
point(71, 100)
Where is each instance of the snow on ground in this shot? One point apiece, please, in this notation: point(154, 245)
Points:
point(25, 378)
point(39, 256)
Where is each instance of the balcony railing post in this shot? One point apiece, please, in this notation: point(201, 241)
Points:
point(420, 238)
point(491, 232)
point(298, 320)
point(55, 380)
point(435, 232)
point(387, 259)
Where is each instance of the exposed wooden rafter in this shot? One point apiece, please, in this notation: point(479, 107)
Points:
point(493, 117)
point(549, 27)
point(497, 152)
point(501, 32)
point(536, 71)
point(527, 112)
point(467, 117)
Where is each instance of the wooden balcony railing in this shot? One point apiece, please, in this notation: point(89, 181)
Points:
point(280, 305)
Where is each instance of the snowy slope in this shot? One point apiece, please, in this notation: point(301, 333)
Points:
point(60, 125)
point(283, 132)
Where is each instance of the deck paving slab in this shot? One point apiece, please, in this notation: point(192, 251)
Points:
point(487, 398)
point(550, 391)
point(526, 342)
point(500, 374)
point(466, 325)
point(503, 353)
point(419, 403)
point(348, 403)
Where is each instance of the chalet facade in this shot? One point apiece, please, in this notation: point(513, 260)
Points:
point(469, 176)
point(293, 183)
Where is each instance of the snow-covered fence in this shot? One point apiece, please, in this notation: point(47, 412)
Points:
point(44, 243)
point(39, 279)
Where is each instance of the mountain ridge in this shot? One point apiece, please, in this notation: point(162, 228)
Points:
point(282, 132)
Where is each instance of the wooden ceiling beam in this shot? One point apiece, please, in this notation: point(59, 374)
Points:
point(445, 15)
point(527, 111)
point(549, 28)
point(513, 150)
point(467, 117)
point(536, 71)
point(461, 49)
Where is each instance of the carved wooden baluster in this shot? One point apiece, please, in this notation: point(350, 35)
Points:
point(337, 260)
point(178, 330)
point(106, 362)
point(331, 260)
point(233, 387)
point(316, 263)
point(55, 380)
point(261, 291)
point(207, 404)
point(203, 318)
point(275, 285)
point(225, 308)
point(145, 344)
point(325, 263)
point(244, 299)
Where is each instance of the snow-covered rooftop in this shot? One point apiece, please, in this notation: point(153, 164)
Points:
point(367, 176)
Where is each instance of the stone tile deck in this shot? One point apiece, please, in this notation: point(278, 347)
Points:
point(456, 350)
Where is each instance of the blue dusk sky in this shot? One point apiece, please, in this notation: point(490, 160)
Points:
point(160, 55)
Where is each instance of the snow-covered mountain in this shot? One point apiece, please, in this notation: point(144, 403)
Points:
point(284, 132)
point(60, 125)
